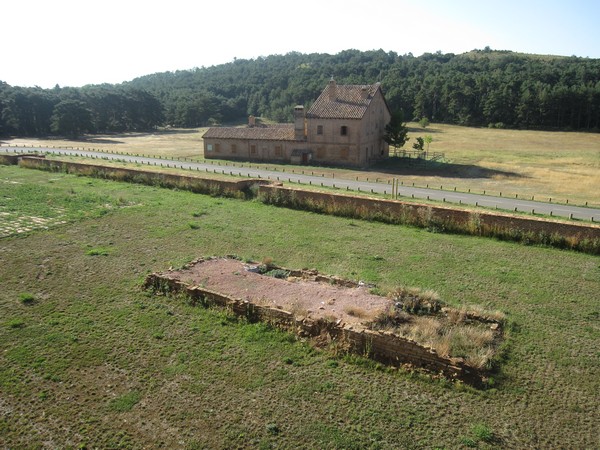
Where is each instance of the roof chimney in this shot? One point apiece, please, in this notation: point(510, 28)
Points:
point(365, 91)
point(331, 89)
point(299, 123)
point(251, 121)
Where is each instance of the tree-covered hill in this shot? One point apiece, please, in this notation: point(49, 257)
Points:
point(479, 88)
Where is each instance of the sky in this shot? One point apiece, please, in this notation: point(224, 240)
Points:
point(80, 42)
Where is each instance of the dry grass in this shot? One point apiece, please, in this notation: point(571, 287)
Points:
point(357, 311)
point(480, 311)
point(543, 164)
point(178, 143)
point(419, 315)
point(557, 165)
point(474, 343)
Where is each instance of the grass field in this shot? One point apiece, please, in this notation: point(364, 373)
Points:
point(89, 359)
point(558, 165)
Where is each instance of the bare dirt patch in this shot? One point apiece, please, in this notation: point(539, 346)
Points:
point(301, 295)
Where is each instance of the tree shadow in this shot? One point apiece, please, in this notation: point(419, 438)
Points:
point(93, 140)
point(411, 166)
point(427, 130)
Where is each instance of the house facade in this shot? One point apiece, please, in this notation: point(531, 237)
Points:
point(345, 126)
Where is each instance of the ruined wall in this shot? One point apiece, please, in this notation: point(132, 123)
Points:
point(378, 345)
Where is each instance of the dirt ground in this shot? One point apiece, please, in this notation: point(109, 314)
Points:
point(301, 296)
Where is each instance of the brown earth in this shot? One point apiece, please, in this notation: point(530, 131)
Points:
point(302, 296)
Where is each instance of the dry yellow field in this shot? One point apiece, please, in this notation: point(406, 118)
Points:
point(542, 164)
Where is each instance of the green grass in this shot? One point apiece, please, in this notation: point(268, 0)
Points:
point(125, 402)
point(196, 378)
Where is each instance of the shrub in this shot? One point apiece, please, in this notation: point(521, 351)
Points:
point(278, 273)
point(482, 432)
point(27, 299)
point(98, 251)
point(16, 323)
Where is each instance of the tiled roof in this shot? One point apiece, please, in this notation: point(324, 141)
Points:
point(278, 132)
point(350, 101)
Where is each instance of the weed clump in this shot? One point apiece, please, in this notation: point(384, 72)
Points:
point(472, 334)
point(416, 301)
point(26, 298)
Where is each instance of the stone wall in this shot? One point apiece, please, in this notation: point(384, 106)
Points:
point(381, 346)
point(585, 237)
point(240, 188)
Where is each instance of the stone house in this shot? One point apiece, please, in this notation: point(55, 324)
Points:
point(344, 126)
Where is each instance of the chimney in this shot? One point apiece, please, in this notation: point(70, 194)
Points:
point(331, 89)
point(251, 121)
point(299, 128)
point(365, 92)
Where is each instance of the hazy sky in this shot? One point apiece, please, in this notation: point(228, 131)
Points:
point(78, 42)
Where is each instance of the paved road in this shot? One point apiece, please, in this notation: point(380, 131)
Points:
point(488, 201)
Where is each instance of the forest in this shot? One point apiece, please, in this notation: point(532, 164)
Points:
point(484, 88)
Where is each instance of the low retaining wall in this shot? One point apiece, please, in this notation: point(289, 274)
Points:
point(583, 237)
point(380, 346)
point(13, 160)
point(240, 188)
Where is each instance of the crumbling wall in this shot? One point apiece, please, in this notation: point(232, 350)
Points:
point(381, 346)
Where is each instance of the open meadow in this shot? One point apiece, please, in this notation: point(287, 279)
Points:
point(89, 359)
point(558, 165)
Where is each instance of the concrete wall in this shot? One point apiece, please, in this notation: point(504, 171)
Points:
point(191, 183)
point(581, 237)
point(584, 237)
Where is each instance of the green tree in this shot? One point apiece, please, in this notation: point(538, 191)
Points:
point(71, 118)
point(396, 132)
point(428, 140)
point(420, 144)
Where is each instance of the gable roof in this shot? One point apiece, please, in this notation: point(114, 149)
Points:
point(279, 132)
point(346, 101)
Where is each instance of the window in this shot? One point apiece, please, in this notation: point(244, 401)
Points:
point(233, 148)
point(344, 130)
point(253, 149)
point(209, 147)
point(319, 129)
point(278, 151)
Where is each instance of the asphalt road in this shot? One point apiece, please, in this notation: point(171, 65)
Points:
point(246, 169)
